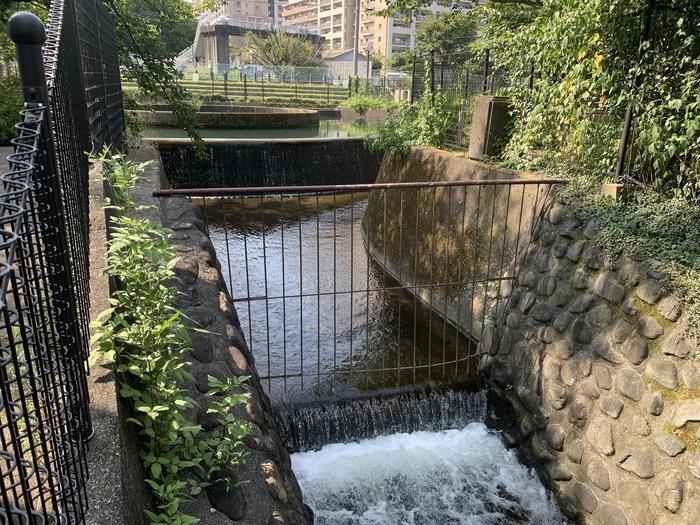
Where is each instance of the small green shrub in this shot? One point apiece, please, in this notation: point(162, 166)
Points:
point(419, 124)
point(363, 103)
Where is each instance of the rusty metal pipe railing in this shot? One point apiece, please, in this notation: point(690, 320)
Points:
point(338, 188)
point(390, 285)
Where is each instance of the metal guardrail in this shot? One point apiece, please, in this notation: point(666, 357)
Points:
point(71, 106)
point(368, 286)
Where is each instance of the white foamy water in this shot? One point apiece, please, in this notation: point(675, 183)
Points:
point(452, 477)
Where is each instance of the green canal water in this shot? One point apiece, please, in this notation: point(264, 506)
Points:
point(325, 129)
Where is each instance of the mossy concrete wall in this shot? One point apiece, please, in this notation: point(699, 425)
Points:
point(593, 353)
point(241, 117)
point(462, 239)
point(283, 162)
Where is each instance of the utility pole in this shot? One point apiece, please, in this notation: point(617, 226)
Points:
point(356, 45)
point(369, 71)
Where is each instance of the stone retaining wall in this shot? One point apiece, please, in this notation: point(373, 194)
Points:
point(271, 493)
point(592, 352)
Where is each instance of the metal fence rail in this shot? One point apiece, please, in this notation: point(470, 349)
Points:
point(44, 271)
point(368, 286)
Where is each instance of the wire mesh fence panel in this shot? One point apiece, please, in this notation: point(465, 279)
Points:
point(44, 264)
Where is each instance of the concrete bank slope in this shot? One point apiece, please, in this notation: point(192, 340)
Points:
point(269, 493)
point(594, 355)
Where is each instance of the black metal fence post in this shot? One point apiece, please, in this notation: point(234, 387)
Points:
point(413, 78)
point(262, 86)
point(226, 85)
point(629, 113)
point(432, 77)
point(487, 69)
point(245, 88)
point(27, 32)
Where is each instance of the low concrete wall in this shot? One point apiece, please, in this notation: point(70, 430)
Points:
point(443, 235)
point(372, 116)
point(593, 354)
point(237, 117)
point(232, 163)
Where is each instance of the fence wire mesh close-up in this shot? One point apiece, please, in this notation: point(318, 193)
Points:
point(368, 287)
point(44, 260)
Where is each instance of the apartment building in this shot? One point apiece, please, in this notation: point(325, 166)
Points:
point(333, 19)
point(242, 9)
point(387, 36)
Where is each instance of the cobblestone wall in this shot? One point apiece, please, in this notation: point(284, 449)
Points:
point(270, 493)
point(592, 353)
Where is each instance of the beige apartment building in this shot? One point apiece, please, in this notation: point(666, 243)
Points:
point(242, 9)
point(335, 20)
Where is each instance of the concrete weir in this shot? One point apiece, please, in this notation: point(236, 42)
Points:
point(280, 162)
point(212, 115)
point(470, 234)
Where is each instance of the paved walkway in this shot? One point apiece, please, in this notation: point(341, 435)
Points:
point(105, 494)
point(4, 152)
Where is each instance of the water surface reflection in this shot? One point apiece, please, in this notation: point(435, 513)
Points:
point(324, 316)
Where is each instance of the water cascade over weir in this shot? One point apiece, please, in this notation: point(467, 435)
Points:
point(309, 428)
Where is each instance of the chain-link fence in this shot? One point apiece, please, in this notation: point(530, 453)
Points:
point(71, 106)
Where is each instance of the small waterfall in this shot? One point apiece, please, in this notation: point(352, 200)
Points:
point(313, 427)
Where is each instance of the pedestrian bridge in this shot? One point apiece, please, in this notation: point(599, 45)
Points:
point(211, 40)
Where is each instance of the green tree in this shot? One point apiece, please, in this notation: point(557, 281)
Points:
point(585, 54)
point(283, 49)
point(449, 34)
point(401, 61)
point(150, 33)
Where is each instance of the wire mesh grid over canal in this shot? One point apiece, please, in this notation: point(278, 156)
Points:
point(368, 287)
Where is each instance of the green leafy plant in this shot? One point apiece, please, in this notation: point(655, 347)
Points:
point(146, 339)
point(585, 54)
point(363, 103)
point(423, 123)
point(10, 106)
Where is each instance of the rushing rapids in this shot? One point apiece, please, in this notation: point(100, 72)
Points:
point(310, 428)
point(460, 476)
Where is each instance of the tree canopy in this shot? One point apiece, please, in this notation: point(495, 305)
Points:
point(448, 34)
point(150, 33)
point(283, 49)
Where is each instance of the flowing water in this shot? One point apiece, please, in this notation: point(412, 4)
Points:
point(309, 428)
point(458, 476)
point(325, 129)
point(325, 318)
